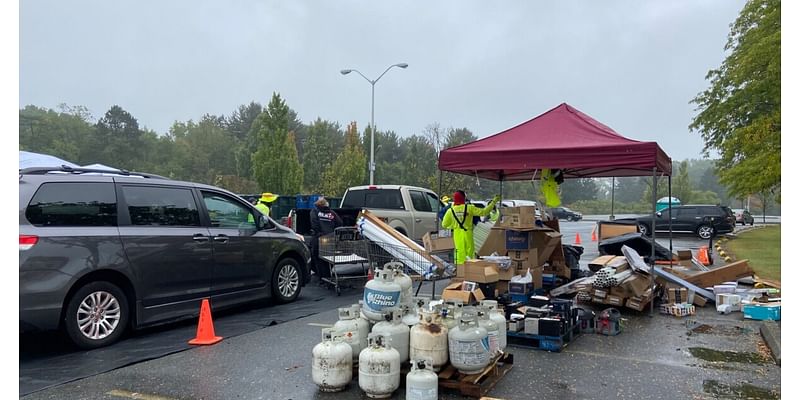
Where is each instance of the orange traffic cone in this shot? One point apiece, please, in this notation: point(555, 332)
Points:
point(205, 327)
point(594, 233)
point(702, 255)
point(577, 238)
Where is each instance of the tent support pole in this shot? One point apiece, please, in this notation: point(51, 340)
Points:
point(440, 199)
point(612, 198)
point(669, 181)
point(653, 239)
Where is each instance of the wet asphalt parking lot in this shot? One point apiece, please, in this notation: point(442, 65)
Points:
point(704, 356)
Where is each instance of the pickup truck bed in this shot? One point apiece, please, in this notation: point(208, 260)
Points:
point(301, 219)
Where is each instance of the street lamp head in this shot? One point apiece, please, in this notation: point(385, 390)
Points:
point(402, 65)
point(346, 71)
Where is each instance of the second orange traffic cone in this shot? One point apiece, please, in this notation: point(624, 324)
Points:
point(577, 238)
point(205, 327)
point(594, 233)
point(702, 256)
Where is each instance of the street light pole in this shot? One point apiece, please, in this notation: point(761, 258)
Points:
point(372, 82)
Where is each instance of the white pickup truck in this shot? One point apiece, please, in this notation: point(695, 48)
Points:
point(410, 210)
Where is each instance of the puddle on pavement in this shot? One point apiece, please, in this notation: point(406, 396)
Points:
point(726, 330)
point(740, 391)
point(727, 356)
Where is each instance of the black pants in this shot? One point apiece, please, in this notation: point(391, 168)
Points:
point(318, 265)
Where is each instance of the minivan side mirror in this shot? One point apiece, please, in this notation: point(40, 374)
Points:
point(264, 223)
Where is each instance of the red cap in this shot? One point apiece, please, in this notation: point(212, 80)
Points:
point(458, 198)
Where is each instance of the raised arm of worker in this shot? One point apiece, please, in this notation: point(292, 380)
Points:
point(482, 212)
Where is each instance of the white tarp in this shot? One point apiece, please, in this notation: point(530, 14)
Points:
point(29, 159)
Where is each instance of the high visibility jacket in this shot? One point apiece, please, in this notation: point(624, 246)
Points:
point(459, 219)
point(263, 208)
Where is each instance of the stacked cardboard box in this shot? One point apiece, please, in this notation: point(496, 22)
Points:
point(632, 292)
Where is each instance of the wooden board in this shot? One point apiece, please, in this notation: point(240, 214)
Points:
point(476, 385)
point(730, 272)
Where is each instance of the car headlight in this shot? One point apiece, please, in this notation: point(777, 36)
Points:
point(300, 237)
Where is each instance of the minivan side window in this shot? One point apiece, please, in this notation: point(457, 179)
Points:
point(73, 204)
point(419, 202)
point(225, 213)
point(161, 206)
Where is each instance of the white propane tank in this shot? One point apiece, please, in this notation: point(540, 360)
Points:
point(411, 317)
point(379, 368)
point(500, 319)
point(394, 328)
point(332, 362)
point(452, 310)
point(469, 346)
point(364, 326)
point(402, 279)
point(429, 337)
point(492, 330)
point(379, 293)
point(347, 326)
point(421, 382)
point(364, 317)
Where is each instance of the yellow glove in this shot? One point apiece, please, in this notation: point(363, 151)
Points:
point(496, 198)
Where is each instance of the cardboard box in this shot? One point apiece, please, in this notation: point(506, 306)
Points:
point(518, 240)
point(637, 304)
point(600, 293)
point(607, 230)
point(699, 301)
point(453, 292)
point(545, 242)
point(520, 255)
point(502, 287)
point(433, 242)
point(516, 325)
point(517, 217)
point(636, 284)
point(520, 288)
point(615, 300)
point(460, 271)
point(495, 243)
point(521, 266)
point(678, 295)
point(599, 262)
point(730, 272)
point(504, 274)
point(722, 289)
point(619, 291)
point(480, 271)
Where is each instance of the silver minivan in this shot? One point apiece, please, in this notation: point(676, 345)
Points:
point(100, 252)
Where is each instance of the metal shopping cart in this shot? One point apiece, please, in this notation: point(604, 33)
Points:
point(346, 252)
point(419, 264)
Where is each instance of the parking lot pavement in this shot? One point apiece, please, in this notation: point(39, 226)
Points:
point(704, 356)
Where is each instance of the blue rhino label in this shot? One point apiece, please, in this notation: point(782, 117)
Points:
point(377, 300)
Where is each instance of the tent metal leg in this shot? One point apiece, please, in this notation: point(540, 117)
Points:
point(653, 239)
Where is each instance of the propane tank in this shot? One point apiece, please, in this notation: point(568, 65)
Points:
point(421, 382)
point(429, 337)
point(411, 317)
point(364, 317)
point(364, 326)
point(452, 309)
point(332, 362)
point(394, 328)
point(379, 367)
point(379, 293)
point(492, 330)
point(469, 346)
point(402, 279)
point(347, 326)
point(500, 319)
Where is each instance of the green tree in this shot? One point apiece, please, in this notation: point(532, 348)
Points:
point(450, 181)
point(63, 134)
point(682, 185)
point(578, 189)
point(275, 165)
point(321, 150)
point(740, 113)
point(349, 169)
point(117, 140)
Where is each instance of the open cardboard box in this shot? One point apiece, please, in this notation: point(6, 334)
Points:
point(454, 291)
point(481, 271)
point(433, 241)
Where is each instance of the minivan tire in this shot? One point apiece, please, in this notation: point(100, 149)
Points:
point(103, 302)
point(286, 280)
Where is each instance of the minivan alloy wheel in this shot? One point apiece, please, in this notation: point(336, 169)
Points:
point(98, 315)
point(288, 280)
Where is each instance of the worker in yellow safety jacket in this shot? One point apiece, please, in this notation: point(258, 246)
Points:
point(264, 202)
point(459, 219)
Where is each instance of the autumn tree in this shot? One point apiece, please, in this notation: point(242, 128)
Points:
point(349, 169)
point(740, 113)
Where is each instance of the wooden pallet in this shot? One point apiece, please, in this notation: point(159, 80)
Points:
point(476, 385)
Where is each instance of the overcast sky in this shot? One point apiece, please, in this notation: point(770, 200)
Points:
point(485, 66)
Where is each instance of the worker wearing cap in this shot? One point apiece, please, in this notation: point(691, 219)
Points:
point(459, 219)
point(265, 201)
point(447, 204)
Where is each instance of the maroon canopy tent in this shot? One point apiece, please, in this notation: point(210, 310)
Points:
point(562, 138)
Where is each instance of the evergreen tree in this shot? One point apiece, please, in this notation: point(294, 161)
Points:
point(349, 169)
point(275, 164)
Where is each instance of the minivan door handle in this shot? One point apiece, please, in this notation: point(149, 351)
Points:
point(221, 238)
point(199, 237)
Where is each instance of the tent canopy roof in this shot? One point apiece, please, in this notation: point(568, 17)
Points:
point(562, 138)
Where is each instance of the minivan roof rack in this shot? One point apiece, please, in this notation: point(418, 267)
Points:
point(79, 170)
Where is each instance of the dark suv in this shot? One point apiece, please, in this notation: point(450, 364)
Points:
point(100, 252)
point(704, 220)
point(566, 213)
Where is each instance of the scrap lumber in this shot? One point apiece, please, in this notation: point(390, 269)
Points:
point(727, 273)
point(674, 279)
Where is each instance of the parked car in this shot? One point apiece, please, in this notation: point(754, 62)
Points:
point(410, 210)
point(743, 216)
point(704, 220)
point(102, 252)
point(566, 213)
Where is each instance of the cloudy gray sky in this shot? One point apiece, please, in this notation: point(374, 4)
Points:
point(486, 66)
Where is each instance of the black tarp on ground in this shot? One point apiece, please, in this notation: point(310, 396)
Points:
point(637, 241)
point(48, 359)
